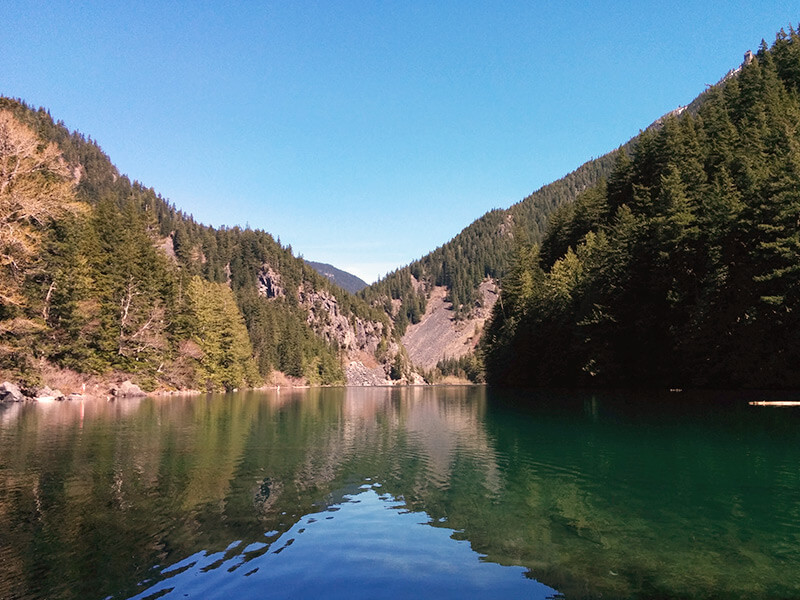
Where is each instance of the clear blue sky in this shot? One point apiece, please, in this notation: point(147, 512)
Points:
point(366, 134)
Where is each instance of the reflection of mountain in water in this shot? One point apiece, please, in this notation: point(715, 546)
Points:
point(593, 496)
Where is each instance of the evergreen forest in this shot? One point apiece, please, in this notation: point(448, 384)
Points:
point(681, 268)
point(673, 261)
point(99, 275)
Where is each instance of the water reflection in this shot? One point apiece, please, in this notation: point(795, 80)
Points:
point(393, 554)
point(613, 495)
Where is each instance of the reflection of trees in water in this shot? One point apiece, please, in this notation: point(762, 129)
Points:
point(117, 487)
point(645, 499)
point(591, 496)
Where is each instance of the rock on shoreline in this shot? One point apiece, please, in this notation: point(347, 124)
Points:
point(10, 392)
point(127, 389)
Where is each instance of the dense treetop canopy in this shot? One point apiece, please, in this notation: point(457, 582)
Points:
point(683, 267)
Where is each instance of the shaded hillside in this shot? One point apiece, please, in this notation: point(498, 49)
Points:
point(100, 274)
point(683, 269)
point(343, 279)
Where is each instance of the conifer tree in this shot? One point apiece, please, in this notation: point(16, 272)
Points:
point(219, 330)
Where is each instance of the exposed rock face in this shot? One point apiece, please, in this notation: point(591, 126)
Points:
point(167, 246)
point(326, 320)
point(358, 338)
point(659, 123)
point(10, 393)
point(359, 374)
point(269, 282)
point(439, 335)
point(506, 228)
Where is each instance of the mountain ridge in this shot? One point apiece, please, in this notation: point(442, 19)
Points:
point(82, 273)
point(681, 270)
point(343, 279)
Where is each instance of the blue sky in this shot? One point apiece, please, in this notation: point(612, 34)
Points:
point(366, 134)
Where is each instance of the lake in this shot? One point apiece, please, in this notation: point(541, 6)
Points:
point(442, 492)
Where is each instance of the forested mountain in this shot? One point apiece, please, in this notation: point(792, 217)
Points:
point(100, 275)
point(672, 261)
point(481, 250)
point(343, 279)
point(683, 267)
point(473, 261)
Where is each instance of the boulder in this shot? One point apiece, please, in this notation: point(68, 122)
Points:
point(127, 389)
point(10, 393)
point(47, 394)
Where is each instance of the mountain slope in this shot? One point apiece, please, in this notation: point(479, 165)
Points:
point(439, 335)
point(479, 254)
point(684, 269)
point(104, 277)
point(484, 249)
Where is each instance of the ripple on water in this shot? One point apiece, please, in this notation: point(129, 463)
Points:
point(395, 549)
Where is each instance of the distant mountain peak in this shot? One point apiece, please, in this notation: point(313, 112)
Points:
point(343, 279)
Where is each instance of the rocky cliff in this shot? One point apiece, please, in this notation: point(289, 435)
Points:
point(366, 347)
point(350, 333)
point(440, 335)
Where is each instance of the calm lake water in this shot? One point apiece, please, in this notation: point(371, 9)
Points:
point(444, 492)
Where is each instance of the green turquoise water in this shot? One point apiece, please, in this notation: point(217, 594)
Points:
point(448, 492)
